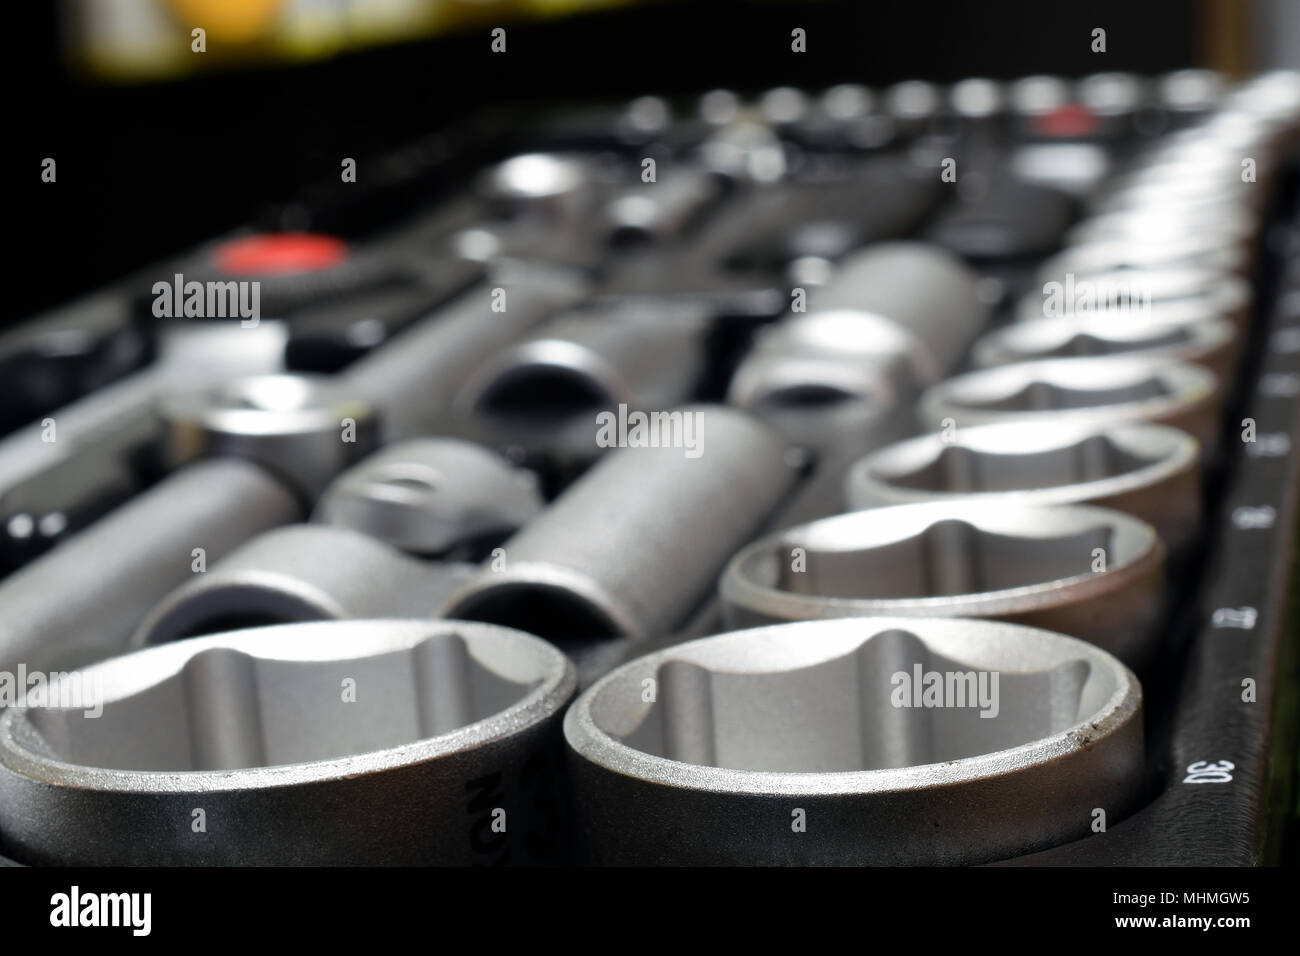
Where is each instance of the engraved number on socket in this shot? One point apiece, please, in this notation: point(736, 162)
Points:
point(1242, 618)
point(1203, 771)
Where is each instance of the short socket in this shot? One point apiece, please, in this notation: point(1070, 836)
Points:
point(1090, 391)
point(1211, 342)
point(1148, 471)
point(304, 429)
point(551, 186)
point(1183, 183)
point(1145, 291)
point(354, 742)
point(813, 744)
point(1190, 91)
point(1203, 250)
point(1161, 224)
point(430, 496)
point(1092, 573)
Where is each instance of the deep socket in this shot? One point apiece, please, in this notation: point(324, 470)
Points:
point(635, 545)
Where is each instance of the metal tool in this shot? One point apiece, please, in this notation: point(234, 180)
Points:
point(119, 418)
point(304, 429)
point(302, 573)
point(837, 381)
point(1154, 290)
point(431, 496)
point(1163, 224)
point(1149, 471)
point(634, 545)
point(81, 601)
point(812, 744)
point(928, 294)
point(413, 380)
point(1211, 342)
point(356, 742)
point(1092, 573)
point(544, 392)
point(1205, 250)
point(1080, 391)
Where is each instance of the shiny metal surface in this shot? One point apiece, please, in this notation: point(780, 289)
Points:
point(303, 429)
point(787, 745)
point(127, 561)
point(1211, 342)
point(1092, 573)
point(428, 496)
point(635, 545)
point(309, 744)
point(302, 573)
point(1080, 391)
point(1149, 471)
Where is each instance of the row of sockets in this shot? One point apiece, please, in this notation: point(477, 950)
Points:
point(647, 753)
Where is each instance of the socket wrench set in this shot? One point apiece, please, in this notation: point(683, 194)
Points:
point(882, 476)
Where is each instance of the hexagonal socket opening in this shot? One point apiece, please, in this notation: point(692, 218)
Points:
point(857, 711)
point(961, 469)
point(228, 710)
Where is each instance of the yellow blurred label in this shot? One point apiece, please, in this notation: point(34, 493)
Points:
point(232, 21)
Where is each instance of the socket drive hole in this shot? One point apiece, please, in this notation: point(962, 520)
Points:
point(542, 393)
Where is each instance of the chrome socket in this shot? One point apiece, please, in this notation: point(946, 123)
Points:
point(1170, 224)
point(1087, 391)
point(1092, 573)
point(302, 573)
point(812, 744)
point(1210, 342)
point(578, 365)
point(1149, 471)
point(892, 319)
point(413, 381)
point(339, 743)
point(929, 295)
point(126, 562)
point(1153, 292)
point(431, 496)
point(303, 429)
point(1190, 91)
point(1198, 250)
point(634, 546)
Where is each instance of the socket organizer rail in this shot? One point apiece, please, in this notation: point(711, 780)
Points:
point(700, 481)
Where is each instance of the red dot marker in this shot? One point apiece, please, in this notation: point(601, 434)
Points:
point(1066, 122)
point(279, 253)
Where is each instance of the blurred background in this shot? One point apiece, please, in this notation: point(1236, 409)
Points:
point(159, 147)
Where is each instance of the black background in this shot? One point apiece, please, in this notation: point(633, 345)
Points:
point(147, 170)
